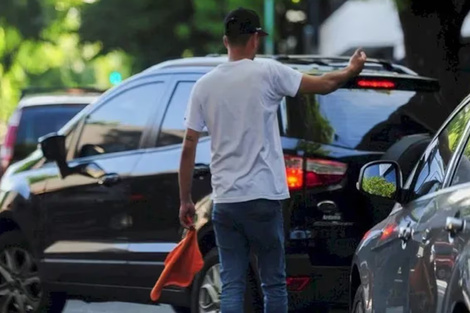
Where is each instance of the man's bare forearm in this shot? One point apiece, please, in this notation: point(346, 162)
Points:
point(186, 172)
point(327, 82)
point(337, 79)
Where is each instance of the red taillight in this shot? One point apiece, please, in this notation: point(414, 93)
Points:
point(297, 283)
point(6, 151)
point(318, 172)
point(388, 231)
point(294, 172)
point(370, 83)
point(366, 234)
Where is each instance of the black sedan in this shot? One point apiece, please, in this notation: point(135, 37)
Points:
point(418, 258)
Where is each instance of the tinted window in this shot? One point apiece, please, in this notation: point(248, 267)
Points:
point(38, 121)
point(462, 173)
point(118, 125)
point(363, 119)
point(433, 165)
point(173, 129)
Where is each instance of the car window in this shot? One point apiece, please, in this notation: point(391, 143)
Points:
point(70, 137)
point(32, 125)
point(118, 125)
point(173, 129)
point(434, 163)
point(462, 172)
point(362, 119)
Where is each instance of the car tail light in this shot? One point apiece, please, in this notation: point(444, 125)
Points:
point(366, 234)
point(6, 152)
point(318, 172)
point(388, 231)
point(373, 83)
point(297, 283)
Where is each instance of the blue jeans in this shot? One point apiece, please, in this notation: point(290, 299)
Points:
point(255, 225)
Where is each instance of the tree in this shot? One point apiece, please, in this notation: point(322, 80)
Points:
point(378, 186)
point(148, 30)
point(21, 22)
point(39, 47)
point(152, 31)
point(433, 43)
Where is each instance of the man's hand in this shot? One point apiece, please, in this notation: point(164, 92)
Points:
point(187, 212)
point(357, 60)
point(333, 80)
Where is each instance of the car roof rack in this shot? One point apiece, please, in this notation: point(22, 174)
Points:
point(334, 61)
point(342, 60)
point(68, 90)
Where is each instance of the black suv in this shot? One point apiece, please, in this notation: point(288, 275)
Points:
point(94, 212)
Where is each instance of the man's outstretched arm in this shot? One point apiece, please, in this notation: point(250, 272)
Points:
point(331, 81)
point(185, 178)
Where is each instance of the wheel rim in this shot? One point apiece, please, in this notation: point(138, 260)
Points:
point(20, 289)
point(209, 294)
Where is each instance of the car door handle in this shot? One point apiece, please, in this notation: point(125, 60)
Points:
point(454, 225)
point(201, 170)
point(109, 180)
point(426, 236)
point(405, 233)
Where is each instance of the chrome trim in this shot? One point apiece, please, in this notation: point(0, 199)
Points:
point(152, 247)
point(121, 262)
point(76, 261)
point(146, 263)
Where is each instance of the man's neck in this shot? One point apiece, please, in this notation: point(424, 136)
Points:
point(237, 55)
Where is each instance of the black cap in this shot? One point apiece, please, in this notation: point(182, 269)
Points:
point(243, 21)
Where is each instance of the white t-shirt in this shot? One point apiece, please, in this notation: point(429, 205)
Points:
point(238, 101)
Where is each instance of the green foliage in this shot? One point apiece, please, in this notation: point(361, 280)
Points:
point(39, 46)
point(378, 186)
point(456, 128)
point(155, 30)
point(28, 17)
point(149, 30)
point(79, 43)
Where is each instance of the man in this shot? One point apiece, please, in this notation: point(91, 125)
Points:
point(237, 102)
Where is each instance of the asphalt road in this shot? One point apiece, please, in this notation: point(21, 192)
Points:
point(114, 307)
point(118, 307)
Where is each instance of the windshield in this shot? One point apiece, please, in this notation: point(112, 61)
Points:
point(362, 119)
point(39, 121)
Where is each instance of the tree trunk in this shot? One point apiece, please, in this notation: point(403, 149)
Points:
point(432, 44)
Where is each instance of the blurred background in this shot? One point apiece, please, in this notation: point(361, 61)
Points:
point(51, 43)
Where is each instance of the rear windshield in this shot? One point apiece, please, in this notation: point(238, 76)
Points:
point(362, 119)
point(39, 121)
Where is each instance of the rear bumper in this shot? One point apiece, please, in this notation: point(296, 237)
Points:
point(328, 285)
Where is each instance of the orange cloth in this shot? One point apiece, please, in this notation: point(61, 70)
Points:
point(181, 265)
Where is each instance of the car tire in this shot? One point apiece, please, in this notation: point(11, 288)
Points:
point(211, 267)
point(17, 263)
point(358, 305)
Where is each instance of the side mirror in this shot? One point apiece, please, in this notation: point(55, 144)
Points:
point(381, 179)
point(53, 149)
point(90, 150)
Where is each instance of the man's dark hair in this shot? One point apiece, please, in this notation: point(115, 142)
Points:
point(238, 40)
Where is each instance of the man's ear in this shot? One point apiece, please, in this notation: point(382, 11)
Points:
point(225, 41)
point(254, 40)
